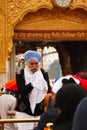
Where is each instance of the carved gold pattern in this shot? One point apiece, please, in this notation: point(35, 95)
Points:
point(13, 11)
point(2, 38)
point(54, 19)
point(16, 9)
point(79, 4)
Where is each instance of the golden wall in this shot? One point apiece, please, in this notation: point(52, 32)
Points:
point(12, 13)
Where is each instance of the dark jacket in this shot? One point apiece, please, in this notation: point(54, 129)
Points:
point(23, 104)
point(67, 99)
point(48, 116)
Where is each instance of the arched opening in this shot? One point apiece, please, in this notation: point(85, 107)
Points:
point(68, 44)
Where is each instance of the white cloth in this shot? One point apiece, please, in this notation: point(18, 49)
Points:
point(40, 87)
point(7, 103)
point(25, 126)
point(58, 84)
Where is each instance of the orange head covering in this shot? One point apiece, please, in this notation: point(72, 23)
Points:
point(11, 85)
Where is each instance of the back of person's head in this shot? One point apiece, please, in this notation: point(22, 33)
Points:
point(80, 118)
point(11, 85)
point(68, 97)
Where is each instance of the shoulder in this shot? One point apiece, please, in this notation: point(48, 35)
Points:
point(20, 73)
point(20, 76)
point(50, 113)
point(8, 97)
point(43, 71)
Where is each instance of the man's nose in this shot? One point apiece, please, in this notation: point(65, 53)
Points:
point(34, 65)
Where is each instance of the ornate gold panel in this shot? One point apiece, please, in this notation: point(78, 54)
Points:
point(2, 38)
point(13, 11)
point(54, 19)
point(79, 4)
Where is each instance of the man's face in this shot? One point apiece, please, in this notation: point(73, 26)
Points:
point(33, 65)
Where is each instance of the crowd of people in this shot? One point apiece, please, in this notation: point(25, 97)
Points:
point(31, 95)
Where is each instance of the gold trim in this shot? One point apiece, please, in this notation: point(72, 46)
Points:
point(79, 4)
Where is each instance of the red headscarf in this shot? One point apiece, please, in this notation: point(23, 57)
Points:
point(11, 85)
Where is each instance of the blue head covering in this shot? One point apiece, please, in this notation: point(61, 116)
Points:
point(28, 55)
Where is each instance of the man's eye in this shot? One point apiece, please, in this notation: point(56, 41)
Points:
point(34, 63)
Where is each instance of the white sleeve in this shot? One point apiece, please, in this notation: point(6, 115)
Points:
point(13, 102)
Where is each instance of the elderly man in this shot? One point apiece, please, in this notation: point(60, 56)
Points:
point(33, 85)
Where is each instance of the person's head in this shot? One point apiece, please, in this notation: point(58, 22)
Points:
point(11, 85)
point(64, 82)
point(68, 97)
point(32, 58)
point(80, 117)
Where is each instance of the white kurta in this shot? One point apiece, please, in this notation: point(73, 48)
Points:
point(7, 103)
point(39, 87)
point(25, 126)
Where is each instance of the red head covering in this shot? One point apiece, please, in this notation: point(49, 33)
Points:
point(11, 85)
